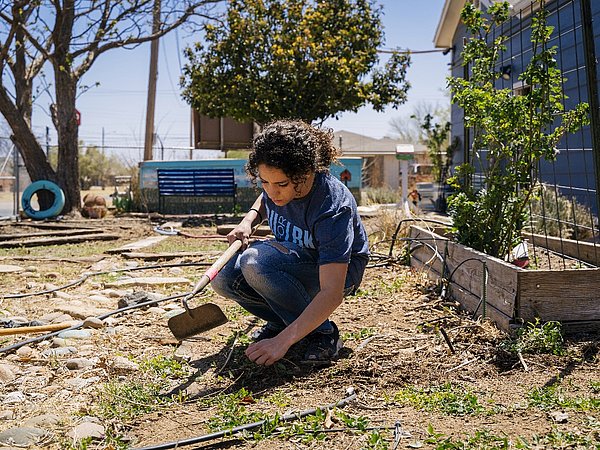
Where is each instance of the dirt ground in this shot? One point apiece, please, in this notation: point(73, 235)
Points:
point(413, 388)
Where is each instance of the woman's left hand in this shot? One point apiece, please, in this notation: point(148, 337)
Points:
point(267, 351)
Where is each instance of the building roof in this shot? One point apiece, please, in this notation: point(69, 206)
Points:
point(450, 18)
point(353, 144)
point(448, 23)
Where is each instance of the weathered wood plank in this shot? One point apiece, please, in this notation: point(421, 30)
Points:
point(564, 295)
point(146, 242)
point(156, 256)
point(71, 232)
point(584, 251)
point(469, 301)
point(465, 267)
point(58, 240)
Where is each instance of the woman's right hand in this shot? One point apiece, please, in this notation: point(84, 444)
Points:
point(242, 233)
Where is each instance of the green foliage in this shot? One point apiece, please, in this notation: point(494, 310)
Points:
point(307, 59)
point(447, 398)
point(165, 367)
point(381, 195)
point(553, 397)
point(441, 149)
point(480, 439)
point(95, 167)
point(515, 131)
point(557, 215)
point(359, 335)
point(125, 401)
point(232, 411)
point(537, 338)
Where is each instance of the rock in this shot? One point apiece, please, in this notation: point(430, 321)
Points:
point(184, 352)
point(7, 373)
point(174, 312)
point(10, 268)
point(61, 294)
point(7, 414)
point(56, 317)
point(59, 342)
point(79, 363)
point(26, 352)
point(52, 275)
point(175, 271)
point(156, 310)
point(23, 436)
point(101, 299)
point(93, 322)
point(81, 311)
point(45, 420)
point(136, 298)
point(559, 416)
point(14, 397)
point(87, 430)
point(62, 351)
point(113, 293)
point(172, 306)
point(31, 269)
point(82, 383)
point(122, 363)
point(75, 334)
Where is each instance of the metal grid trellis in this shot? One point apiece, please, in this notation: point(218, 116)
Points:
point(564, 216)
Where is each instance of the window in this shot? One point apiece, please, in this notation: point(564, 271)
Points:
point(523, 7)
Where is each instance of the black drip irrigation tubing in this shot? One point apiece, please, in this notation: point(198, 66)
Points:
point(351, 395)
point(80, 324)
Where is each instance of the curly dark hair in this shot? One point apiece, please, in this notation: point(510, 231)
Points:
point(293, 146)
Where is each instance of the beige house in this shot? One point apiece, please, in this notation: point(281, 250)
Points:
point(381, 168)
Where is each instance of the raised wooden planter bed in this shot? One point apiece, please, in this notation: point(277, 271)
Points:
point(510, 296)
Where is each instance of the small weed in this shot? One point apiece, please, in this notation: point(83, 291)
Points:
point(125, 401)
point(359, 423)
point(363, 333)
point(165, 367)
point(375, 441)
point(566, 439)
point(450, 399)
point(309, 428)
point(553, 397)
point(480, 439)
point(232, 411)
point(390, 288)
point(279, 399)
point(537, 338)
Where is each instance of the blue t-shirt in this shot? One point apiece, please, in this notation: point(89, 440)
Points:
point(327, 221)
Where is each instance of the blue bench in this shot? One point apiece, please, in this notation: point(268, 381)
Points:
point(195, 183)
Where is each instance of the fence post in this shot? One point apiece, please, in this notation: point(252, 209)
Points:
point(589, 50)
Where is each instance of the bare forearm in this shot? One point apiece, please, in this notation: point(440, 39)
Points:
point(321, 307)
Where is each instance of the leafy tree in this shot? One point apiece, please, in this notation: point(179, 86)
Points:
point(95, 167)
point(67, 37)
point(516, 131)
point(308, 59)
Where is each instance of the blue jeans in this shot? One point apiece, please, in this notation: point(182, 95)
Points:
point(274, 281)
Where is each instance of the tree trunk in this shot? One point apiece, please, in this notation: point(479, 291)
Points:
point(68, 148)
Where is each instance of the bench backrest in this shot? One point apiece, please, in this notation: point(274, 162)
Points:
point(196, 182)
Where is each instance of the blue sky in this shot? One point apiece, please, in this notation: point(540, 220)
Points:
point(118, 105)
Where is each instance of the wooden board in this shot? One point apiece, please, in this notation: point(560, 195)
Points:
point(146, 242)
point(156, 256)
point(563, 295)
point(73, 232)
point(58, 240)
point(584, 251)
point(465, 266)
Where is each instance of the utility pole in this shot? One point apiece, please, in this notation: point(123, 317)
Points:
point(152, 77)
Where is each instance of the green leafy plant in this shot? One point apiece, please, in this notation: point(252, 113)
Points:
point(536, 337)
point(554, 397)
point(448, 398)
point(165, 367)
point(511, 133)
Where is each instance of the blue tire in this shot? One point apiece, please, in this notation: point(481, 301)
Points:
point(57, 205)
